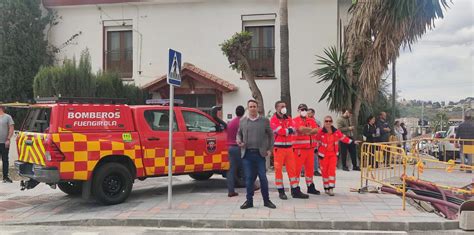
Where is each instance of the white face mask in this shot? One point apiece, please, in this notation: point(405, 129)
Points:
point(304, 113)
point(283, 111)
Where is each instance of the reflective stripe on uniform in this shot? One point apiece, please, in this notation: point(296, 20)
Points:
point(283, 143)
point(301, 142)
point(277, 129)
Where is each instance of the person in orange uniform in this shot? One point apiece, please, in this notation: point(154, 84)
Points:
point(303, 146)
point(328, 152)
point(282, 126)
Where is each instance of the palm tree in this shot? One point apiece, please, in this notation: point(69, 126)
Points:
point(334, 71)
point(284, 55)
point(236, 49)
point(375, 34)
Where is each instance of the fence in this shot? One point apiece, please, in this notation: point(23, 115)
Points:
point(390, 165)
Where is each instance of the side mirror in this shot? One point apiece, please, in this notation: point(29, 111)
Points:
point(220, 127)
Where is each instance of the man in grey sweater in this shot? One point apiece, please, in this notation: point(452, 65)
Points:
point(255, 139)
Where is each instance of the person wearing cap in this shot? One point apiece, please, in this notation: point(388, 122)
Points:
point(282, 126)
point(303, 148)
point(328, 151)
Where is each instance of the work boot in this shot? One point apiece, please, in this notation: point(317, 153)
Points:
point(313, 190)
point(296, 193)
point(281, 194)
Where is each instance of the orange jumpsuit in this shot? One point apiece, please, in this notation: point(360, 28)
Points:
point(283, 129)
point(303, 148)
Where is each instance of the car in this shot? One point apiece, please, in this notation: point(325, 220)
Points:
point(448, 146)
point(100, 147)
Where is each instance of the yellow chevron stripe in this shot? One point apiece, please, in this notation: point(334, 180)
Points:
point(29, 150)
point(38, 153)
point(40, 144)
point(22, 149)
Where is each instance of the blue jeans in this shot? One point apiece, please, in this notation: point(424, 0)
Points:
point(235, 161)
point(316, 162)
point(254, 165)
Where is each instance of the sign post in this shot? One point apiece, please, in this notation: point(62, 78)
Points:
point(173, 79)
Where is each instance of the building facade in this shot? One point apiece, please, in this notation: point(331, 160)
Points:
point(133, 38)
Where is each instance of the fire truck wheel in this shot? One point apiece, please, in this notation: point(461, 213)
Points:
point(112, 183)
point(71, 188)
point(201, 175)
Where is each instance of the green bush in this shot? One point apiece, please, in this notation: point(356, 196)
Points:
point(77, 80)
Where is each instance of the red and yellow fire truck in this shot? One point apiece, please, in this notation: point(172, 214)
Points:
point(99, 148)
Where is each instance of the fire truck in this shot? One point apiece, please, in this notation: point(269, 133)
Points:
point(99, 147)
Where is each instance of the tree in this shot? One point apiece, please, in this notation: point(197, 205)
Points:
point(285, 55)
point(334, 71)
point(23, 46)
point(376, 32)
point(236, 50)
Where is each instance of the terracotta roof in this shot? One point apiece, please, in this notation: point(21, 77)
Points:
point(192, 71)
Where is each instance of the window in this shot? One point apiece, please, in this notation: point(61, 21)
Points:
point(158, 120)
point(119, 52)
point(196, 122)
point(37, 120)
point(262, 50)
point(203, 102)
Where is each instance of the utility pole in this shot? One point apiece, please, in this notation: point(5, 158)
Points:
point(422, 118)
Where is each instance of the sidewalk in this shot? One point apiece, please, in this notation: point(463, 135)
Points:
point(205, 204)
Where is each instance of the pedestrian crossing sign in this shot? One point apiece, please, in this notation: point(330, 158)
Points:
point(174, 68)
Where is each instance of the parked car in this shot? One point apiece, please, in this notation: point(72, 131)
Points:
point(449, 147)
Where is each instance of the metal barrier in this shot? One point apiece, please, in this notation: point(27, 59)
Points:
point(390, 165)
point(384, 164)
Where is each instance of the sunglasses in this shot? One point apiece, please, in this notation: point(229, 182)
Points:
point(328, 121)
point(303, 109)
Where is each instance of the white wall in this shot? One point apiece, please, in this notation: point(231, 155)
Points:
point(196, 29)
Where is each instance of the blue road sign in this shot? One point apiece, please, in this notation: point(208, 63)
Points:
point(174, 68)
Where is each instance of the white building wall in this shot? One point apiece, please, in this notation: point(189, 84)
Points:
point(196, 28)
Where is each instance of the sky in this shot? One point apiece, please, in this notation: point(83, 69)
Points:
point(440, 66)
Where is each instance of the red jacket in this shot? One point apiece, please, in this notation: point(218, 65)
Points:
point(283, 130)
point(323, 137)
point(301, 141)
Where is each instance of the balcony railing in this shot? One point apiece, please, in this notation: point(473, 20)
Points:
point(262, 61)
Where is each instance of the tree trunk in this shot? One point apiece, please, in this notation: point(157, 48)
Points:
point(285, 56)
point(355, 118)
point(250, 78)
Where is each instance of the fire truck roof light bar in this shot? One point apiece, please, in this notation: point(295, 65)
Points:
point(164, 102)
point(80, 100)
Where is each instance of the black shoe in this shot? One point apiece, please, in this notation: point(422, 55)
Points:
point(296, 193)
point(7, 180)
point(246, 205)
point(281, 194)
point(313, 190)
point(269, 204)
point(356, 168)
point(345, 168)
point(316, 173)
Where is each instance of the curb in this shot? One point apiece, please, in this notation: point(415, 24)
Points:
point(259, 224)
